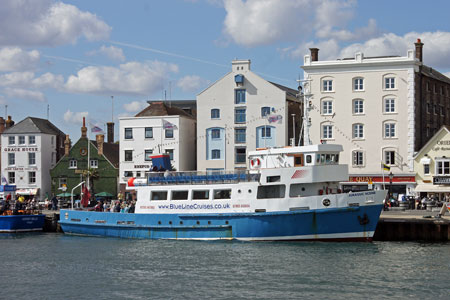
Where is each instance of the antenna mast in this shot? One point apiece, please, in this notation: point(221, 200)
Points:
point(112, 108)
point(305, 95)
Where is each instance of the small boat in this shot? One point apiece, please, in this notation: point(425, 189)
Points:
point(26, 221)
point(14, 218)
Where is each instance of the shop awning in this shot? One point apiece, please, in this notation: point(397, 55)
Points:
point(432, 188)
point(30, 192)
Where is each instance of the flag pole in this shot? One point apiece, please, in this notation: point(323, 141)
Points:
point(384, 183)
point(89, 157)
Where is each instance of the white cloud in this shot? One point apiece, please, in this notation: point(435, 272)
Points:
point(16, 59)
point(114, 53)
point(47, 23)
point(132, 78)
point(28, 80)
point(192, 83)
point(75, 117)
point(255, 22)
point(24, 94)
point(328, 50)
point(135, 106)
point(436, 49)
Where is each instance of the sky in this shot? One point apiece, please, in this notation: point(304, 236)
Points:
point(104, 59)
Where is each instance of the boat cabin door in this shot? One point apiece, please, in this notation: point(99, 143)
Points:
point(299, 160)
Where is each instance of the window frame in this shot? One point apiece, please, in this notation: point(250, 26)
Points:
point(128, 133)
point(128, 155)
point(392, 103)
point(329, 131)
point(168, 133)
point(215, 154)
point(32, 139)
point(31, 159)
point(240, 132)
point(389, 159)
point(264, 131)
point(73, 164)
point(441, 164)
point(93, 163)
point(358, 131)
point(359, 106)
point(215, 134)
point(171, 153)
point(215, 113)
point(358, 158)
point(240, 155)
point(21, 140)
point(240, 96)
point(31, 177)
point(327, 107)
point(11, 140)
point(240, 118)
point(327, 85)
point(11, 159)
point(390, 83)
point(11, 177)
point(387, 132)
point(358, 84)
point(148, 130)
point(147, 157)
point(265, 111)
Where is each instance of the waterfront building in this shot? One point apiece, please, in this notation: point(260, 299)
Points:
point(161, 128)
point(432, 164)
point(30, 149)
point(381, 109)
point(73, 167)
point(240, 113)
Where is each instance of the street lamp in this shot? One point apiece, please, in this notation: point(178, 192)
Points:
point(390, 184)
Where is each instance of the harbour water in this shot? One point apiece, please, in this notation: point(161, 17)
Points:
point(57, 266)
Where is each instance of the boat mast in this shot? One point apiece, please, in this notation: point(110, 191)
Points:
point(305, 95)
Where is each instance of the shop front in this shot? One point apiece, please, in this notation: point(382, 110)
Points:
point(432, 166)
point(397, 184)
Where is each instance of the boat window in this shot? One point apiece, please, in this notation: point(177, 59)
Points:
point(298, 160)
point(328, 158)
point(296, 190)
point(333, 158)
point(271, 191)
point(317, 158)
point(222, 194)
point(180, 195)
point(273, 178)
point(308, 159)
point(200, 195)
point(322, 158)
point(159, 195)
point(337, 158)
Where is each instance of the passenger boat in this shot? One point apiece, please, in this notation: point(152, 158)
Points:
point(288, 193)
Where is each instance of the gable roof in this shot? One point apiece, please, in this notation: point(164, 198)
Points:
point(34, 125)
point(110, 151)
point(157, 109)
point(289, 91)
point(430, 72)
point(444, 127)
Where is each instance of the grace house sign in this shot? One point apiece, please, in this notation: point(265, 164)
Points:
point(21, 149)
point(441, 180)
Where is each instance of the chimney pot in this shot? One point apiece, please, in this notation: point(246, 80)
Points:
point(67, 145)
point(84, 129)
point(419, 50)
point(100, 140)
point(314, 54)
point(110, 133)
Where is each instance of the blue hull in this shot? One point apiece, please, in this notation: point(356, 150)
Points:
point(19, 223)
point(351, 223)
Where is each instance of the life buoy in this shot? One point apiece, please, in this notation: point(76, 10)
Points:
point(131, 181)
point(255, 163)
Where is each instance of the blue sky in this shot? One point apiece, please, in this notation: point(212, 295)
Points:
point(74, 55)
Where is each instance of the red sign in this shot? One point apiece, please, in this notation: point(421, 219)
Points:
point(380, 179)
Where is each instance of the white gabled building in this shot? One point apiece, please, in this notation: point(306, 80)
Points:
point(242, 112)
point(30, 149)
point(145, 134)
point(380, 109)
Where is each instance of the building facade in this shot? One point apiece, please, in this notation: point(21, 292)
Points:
point(158, 129)
point(73, 168)
point(240, 113)
point(432, 164)
point(30, 149)
point(376, 107)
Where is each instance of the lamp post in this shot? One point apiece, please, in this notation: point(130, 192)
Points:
point(390, 184)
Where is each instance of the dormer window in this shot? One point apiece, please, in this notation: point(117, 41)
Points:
point(239, 79)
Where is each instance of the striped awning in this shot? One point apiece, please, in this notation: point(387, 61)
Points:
point(27, 191)
point(432, 188)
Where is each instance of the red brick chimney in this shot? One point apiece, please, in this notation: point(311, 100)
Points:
point(84, 129)
point(419, 49)
point(100, 138)
point(314, 54)
point(9, 122)
point(67, 145)
point(2, 124)
point(110, 133)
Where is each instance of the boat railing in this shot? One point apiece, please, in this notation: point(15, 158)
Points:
point(200, 177)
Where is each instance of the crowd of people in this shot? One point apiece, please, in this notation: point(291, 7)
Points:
point(120, 206)
point(17, 206)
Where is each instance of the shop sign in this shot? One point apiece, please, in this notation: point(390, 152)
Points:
point(441, 180)
point(23, 149)
point(441, 145)
point(142, 166)
point(380, 179)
